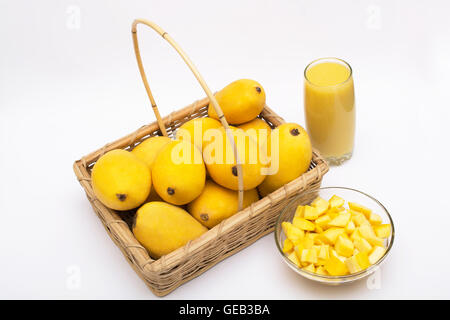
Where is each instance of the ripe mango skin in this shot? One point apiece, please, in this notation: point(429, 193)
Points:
point(222, 165)
point(258, 129)
point(162, 228)
point(179, 177)
point(241, 101)
point(200, 124)
point(148, 149)
point(294, 156)
point(217, 203)
point(120, 180)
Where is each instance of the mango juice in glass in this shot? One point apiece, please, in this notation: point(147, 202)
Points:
point(330, 108)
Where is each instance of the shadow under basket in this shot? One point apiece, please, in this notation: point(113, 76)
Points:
point(232, 235)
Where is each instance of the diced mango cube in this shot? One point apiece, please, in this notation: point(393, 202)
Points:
point(299, 211)
point(321, 205)
point(350, 227)
point(294, 259)
point(308, 241)
point(288, 246)
point(362, 245)
point(336, 202)
point(324, 252)
point(376, 254)
point(292, 232)
point(375, 219)
point(330, 235)
point(321, 270)
point(309, 256)
point(367, 232)
point(310, 268)
point(303, 224)
point(341, 220)
point(357, 262)
point(359, 219)
point(335, 267)
point(323, 221)
point(344, 246)
point(360, 208)
point(383, 230)
point(355, 234)
point(310, 213)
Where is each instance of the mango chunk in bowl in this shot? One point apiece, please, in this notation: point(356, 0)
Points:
point(334, 235)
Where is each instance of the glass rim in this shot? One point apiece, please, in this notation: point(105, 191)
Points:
point(350, 276)
point(328, 58)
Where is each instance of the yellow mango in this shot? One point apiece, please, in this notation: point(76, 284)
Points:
point(318, 229)
point(299, 212)
point(336, 202)
point(307, 242)
point(310, 268)
point(288, 246)
point(375, 219)
point(355, 234)
point(161, 228)
point(350, 227)
point(310, 213)
point(344, 246)
point(367, 232)
point(148, 149)
point(376, 254)
point(321, 205)
point(221, 163)
point(324, 252)
point(362, 245)
point(321, 270)
point(217, 203)
point(335, 267)
point(194, 130)
point(179, 172)
point(341, 220)
point(294, 156)
point(323, 221)
point(292, 233)
point(294, 259)
point(359, 219)
point(360, 208)
point(331, 235)
point(383, 230)
point(303, 224)
point(309, 256)
point(258, 129)
point(241, 101)
point(357, 262)
point(120, 180)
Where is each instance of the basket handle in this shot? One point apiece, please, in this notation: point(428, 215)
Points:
point(202, 82)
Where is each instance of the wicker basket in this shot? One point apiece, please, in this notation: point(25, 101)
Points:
point(230, 236)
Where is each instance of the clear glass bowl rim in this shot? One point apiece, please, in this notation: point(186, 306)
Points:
point(326, 277)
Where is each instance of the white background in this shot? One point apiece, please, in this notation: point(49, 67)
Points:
point(69, 84)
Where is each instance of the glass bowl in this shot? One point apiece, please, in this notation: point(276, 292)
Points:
point(349, 195)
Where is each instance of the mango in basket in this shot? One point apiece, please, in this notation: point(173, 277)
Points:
point(338, 241)
point(217, 203)
point(241, 101)
point(161, 228)
point(221, 163)
point(179, 172)
point(194, 130)
point(290, 152)
point(258, 129)
point(120, 180)
point(148, 149)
